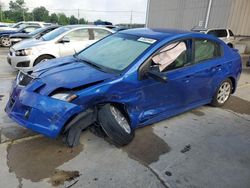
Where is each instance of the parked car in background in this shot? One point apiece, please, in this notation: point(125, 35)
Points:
point(24, 23)
point(5, 35)
point(248, 62)
point(224, 34)
point(127, 80)
point(36, 34)
point(60, 42)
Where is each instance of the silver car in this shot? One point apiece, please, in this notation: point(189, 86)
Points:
point(60, 42)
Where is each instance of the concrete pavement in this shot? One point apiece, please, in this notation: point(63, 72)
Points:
point(205, 147)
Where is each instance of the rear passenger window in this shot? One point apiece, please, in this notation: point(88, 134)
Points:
point(100, 33)
point(205, 50)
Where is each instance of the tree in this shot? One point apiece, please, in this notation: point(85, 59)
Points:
point(73, 20)
point(41, 14)
point(62, 19)
point(83, 21)
point(53, 18)
point(18, 10)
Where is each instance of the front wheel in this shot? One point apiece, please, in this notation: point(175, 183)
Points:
point(223, 93)
point(115, 124)
point(42, 58)
point(5, 42)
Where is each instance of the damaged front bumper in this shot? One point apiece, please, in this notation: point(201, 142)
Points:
point(39, 113)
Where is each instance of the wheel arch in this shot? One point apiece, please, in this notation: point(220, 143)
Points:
point(121, 106)
point(53, 56)
point(233, 80)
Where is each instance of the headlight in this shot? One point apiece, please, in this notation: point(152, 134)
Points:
point(24, 52)
point(64, 96)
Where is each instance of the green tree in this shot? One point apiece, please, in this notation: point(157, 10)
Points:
point(83, 21)
point(41, 14)
point(62, 19)
point(18, 9)
point(73, 20)
point(53, 18)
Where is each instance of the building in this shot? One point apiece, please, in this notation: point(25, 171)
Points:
point(187, 14)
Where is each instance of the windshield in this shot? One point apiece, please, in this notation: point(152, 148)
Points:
point(115, 52)
point(17, 25)
point(55, 33)
point(36, 31)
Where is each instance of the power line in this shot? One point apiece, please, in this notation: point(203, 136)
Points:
point(90, 10)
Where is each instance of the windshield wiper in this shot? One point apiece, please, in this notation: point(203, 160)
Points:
point(87, 61)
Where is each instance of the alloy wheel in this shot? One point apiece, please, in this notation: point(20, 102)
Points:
point(119, 117)
point(5, 41)
point(224, 92)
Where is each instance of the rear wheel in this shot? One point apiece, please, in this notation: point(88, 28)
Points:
point(115, 124)
point(42, 59)
point(223, 93)
point(5, 42)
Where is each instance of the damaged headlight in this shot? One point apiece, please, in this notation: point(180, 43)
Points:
point(68, 97)
point(24, 52)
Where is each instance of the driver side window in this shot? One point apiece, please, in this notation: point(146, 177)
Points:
point(78, 35)
point(173, 56)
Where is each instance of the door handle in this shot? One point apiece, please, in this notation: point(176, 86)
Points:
point(216, 68)
point(187, 78)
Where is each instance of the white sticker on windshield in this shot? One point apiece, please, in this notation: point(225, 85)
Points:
point(146, 40)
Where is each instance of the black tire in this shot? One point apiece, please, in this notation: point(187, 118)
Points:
point(215, 102)
point(119, 135)
point(42, 58)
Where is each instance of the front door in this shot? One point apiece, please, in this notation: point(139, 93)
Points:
point(78, 40)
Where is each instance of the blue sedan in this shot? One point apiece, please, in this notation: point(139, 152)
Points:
point(127, 80)
point(4, 35)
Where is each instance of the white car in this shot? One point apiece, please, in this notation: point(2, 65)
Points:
point(224, 34)
point(23, 23)
point(60, 42)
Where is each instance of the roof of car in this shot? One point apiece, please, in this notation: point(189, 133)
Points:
point(155, 33)
point(87, 26)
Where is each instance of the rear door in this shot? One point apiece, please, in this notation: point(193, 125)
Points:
point(207, 67)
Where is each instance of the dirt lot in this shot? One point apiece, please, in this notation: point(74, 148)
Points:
point(205, 147)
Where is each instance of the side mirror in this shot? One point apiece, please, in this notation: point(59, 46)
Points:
point(157, 75)
point(65, 40)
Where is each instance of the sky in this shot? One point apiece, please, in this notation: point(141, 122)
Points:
point(116, 11)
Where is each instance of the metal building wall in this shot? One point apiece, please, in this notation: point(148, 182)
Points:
point(239, 18)
point(185, 14)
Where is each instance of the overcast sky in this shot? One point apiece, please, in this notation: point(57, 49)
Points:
point(89, 9)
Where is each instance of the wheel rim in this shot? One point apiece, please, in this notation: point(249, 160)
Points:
point(224, 92)
point(121, 120)
point(5, 41)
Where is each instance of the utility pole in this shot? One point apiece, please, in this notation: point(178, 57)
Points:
point(131, 18)
point(23, 16)
point(78, 13)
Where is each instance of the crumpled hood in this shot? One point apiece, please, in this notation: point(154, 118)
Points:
point(29, 44)
point(67, 72)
